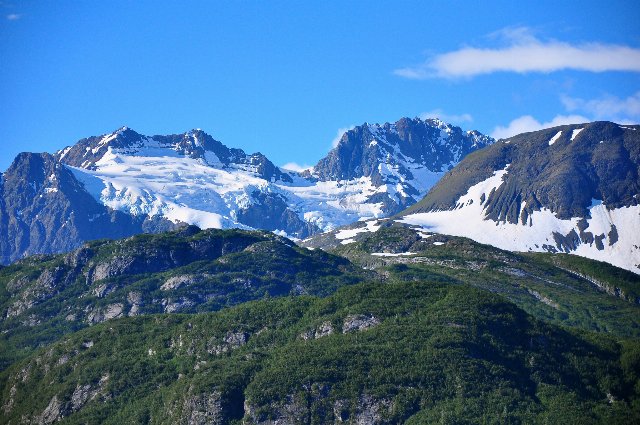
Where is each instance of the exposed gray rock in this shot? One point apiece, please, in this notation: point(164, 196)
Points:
point(173, 306)
point(203, 409)
point(325, 329)
point(178, 281)
point(135, 299)
point(231, 341)
point(359, 322)
point(98, 315)
point(52, 413)
point(371, 410)
point(8, 405)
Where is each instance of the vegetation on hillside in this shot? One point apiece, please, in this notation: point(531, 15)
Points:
point(410, 352)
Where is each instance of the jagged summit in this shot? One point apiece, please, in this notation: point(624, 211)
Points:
point(431, 144)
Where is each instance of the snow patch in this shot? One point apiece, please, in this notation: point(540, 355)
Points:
point(64, 152)
point(575, 133)
point(555, 138)
point(389, 254)
point(371, 227)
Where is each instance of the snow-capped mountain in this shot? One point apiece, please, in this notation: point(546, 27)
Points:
point(572, 189)
point(374, 171)
point(163, 181)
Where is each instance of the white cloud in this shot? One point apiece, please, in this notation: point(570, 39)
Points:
point(13, 17)
point(292, 166)
point(448, 118)
point(339, 134)
point(526, 53)
point(528, 123)
point(612, 108)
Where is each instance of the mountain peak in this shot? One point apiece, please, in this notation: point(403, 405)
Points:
point(430, 144)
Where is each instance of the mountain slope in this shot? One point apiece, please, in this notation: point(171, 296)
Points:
point(566, 189)
point(563, 289)
point(45, 209)
point(420, 352)
point(186, 271)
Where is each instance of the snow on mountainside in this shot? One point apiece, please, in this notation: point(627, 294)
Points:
point(400, 160)
point(571, 189)
point(375, 170)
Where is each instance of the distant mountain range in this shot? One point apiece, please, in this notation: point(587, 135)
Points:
point(125, 183)
point(571, 189)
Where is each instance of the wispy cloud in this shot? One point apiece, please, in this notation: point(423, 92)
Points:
point(524, 53)
point(13, 16)
point(339, 134)
point(292, 166)
point(528, 123)
point(449, 118)
point(608, 107)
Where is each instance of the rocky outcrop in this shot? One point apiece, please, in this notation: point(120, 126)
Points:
point(231, 341)
point(111, 311)
point(203, 409)
point(270, 211)
point(317, 402)
point(359, 322)
point(324, 329)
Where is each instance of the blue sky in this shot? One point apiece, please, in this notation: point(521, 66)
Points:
point(282, 77)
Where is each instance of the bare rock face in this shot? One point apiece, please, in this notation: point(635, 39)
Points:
point(296, 409)
point(176, 305)
point(42, 289)
point(203, 409)
point(86, 393)
point(325, 329)
point(52, 413)
point(231, 341)
point(176, 282)
point(359, 322)
point(112, 311)
point(135, 300)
